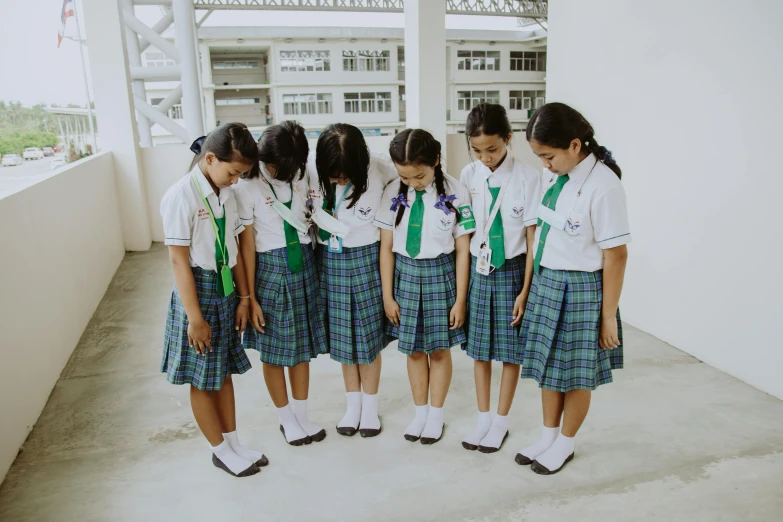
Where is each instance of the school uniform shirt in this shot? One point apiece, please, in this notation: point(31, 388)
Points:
point(255, 200)
point(438, 229)
point(593, 204)
point(360, 217)
point(518, 207)
point(186, 220)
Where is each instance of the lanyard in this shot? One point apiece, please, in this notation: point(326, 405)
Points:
point(495, 209)
point(339, 202)
point(221, 244)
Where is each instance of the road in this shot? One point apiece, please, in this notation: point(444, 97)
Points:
point(14, 179)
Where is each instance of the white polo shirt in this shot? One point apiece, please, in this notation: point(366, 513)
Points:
point(438, 229)
point(255, 200)
point(358, 218)
point(186, 220)
point(593, 204)
point(518, 207)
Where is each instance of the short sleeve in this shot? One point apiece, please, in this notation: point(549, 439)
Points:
point(386, 169)
point(466, 176)
point(533, 195)
point(177, 214)
point(231, 206)
point(609, 215)
point(384, 218)
point(467, 222)
point(245, 207)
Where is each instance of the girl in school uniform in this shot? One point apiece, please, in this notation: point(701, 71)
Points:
point(504, 195)
point(425, 217)
point(285, 309)
point(347, 183)
point(202, 346)
point(571, 331)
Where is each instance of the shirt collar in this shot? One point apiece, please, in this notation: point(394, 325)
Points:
point(429, 189)
point(582, 170)
point(501, 172)
point(206, 187)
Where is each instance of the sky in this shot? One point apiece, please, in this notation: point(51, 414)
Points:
point(33, 70)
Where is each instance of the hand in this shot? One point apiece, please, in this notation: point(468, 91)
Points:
point(257, 316)
point(200, 336)
point(392, 310)
point(608, 339)
point(242, 315)
point(457, 315)
point(519, 309)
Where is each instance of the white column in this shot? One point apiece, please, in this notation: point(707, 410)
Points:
point(209, 94)
point(134, 60)
point(425, 67)
point(185, 38)
point(116, 118)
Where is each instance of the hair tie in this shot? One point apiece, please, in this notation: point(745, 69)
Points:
point(443, 201)
point(401, 199)
point(195, 147)
point(608, 158)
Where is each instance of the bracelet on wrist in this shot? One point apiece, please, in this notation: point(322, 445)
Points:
point(244, 296)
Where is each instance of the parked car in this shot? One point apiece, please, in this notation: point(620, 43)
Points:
point(12, 160)
point(33, 153)
point(48, 151)
point(57, 162)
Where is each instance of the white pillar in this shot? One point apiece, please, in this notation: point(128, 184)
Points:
point(209, 94)
point(425, 67)
point(134, 59)
point(116, 118)
point(185, 37)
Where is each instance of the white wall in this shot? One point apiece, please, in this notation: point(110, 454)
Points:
point(62, 243)
point(163, 166)
point(694, 121)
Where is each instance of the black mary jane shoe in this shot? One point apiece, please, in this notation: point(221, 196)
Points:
point(539, 468)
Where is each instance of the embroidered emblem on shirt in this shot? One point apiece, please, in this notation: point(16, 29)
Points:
point(572, 227)
point(365, 213)
point(445, 223)
point(516, 212)
point(203, 214)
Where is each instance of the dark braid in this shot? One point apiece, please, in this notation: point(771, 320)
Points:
point(440, 182)
point(401, 209)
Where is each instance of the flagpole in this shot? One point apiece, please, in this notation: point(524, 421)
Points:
point(86, 85)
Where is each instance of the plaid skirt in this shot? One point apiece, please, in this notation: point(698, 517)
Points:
point(426, 290)
point(560, 332)
point(181, 363)
point(490, 312)
point(292, 307)
point(353, 303)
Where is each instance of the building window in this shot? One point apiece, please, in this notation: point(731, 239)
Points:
point(293, 61)
point(366, 60)
point(307, 104)
point(466, 100)
point(528, 61)
point(526, 100)
point(478, 60)
point(236, 65)
point(222, 102)
point(158, 59)
point(368, 102)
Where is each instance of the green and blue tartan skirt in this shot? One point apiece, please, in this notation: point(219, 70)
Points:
point(491, 301)
point(426, 291)
point(353, 303)
point(292, 308)
point(560, 331)
point(181, 363)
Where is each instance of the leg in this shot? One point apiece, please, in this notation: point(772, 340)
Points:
point(419, 377)
point(498, 432)
point(552, 405)
point(440, 380)
point(482, 373)
point(370, 376)
point(351, 378)
point(576, 404)
point(349, 424)
point(274, 376)
point(299, 376)
point(224, 400)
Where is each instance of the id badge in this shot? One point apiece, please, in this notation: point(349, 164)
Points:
point(483, 263)
point(228, 281)
point(335, 244)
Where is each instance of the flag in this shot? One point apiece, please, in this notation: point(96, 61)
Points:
point(67, 12)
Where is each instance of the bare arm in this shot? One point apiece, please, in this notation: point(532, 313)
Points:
point(615, 260)
point(521, 302)
point(199, 332)
point(247, 247)
point(459, 311)
point(240, 279)
point(390, 306)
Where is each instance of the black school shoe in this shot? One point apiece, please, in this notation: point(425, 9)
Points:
point(318, 437)
point(543, 470)
point(297, 442)
point(252, 470)
point(429, 441)
point(348, 431)
point(367, 433)
point(522, 460)
point(411, 438)
point(263, 461)
point(490, 449)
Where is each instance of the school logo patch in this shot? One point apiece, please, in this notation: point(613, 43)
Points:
point(465, 212)
point(365, 213)
point(572, 227)
point(516, 212)
point(445, 223)
point(473, 192)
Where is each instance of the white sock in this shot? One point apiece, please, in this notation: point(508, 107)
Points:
point(548, 436)
point(300, 410)
point(293, 431)
point(434, 427)
point(248, 454)
point(228, 457)
point(370, 420)
point(353, 412)
point(553, 458)
point(417, 426)
point(497, 432)
point(484, 422)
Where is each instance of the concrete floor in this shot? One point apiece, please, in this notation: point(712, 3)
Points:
point(671, 439)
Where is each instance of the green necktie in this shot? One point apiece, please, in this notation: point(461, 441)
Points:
point(413, 244)
point(323, 234)
point(221, 257)
point(292, 248)
point(550, 201)
point(496, 243)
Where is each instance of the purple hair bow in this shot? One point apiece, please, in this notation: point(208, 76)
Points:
point(441, 204)
point(401, 199)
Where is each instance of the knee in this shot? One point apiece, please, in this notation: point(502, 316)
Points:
point(440, 355)
point(417, 356)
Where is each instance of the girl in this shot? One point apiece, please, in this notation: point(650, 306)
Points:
point(202, 347)
point(419, 233)
point(504, 195)
point(285, 310)
point(571, 332)
point(347, 185)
